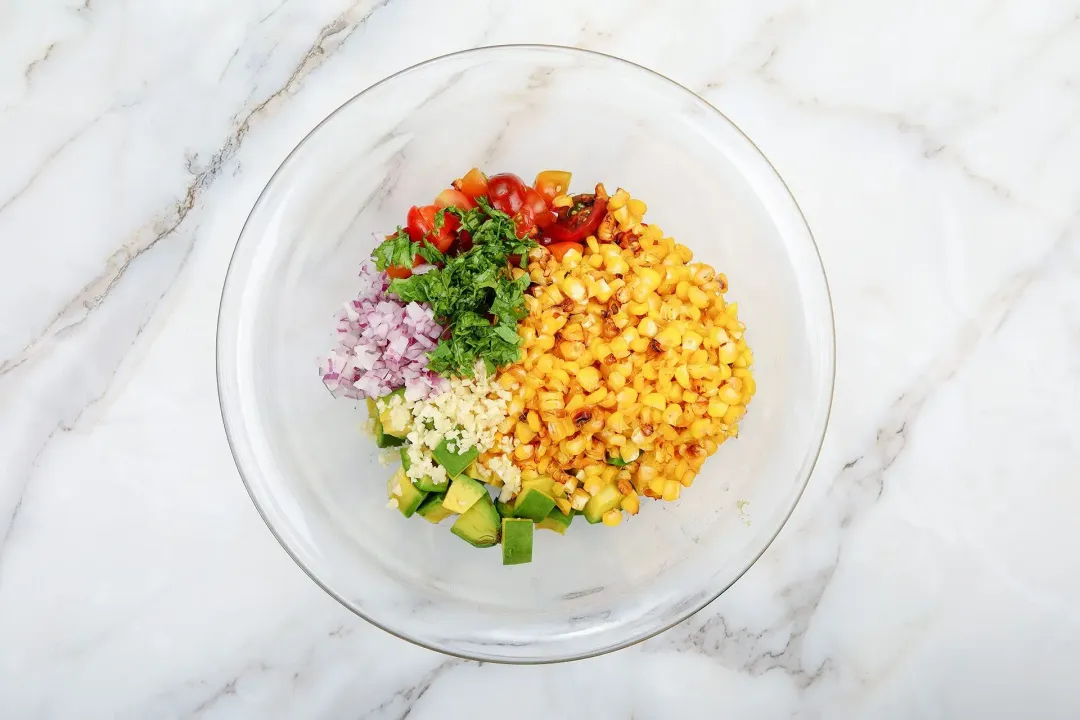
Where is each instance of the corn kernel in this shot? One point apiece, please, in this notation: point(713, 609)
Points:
point(728, 353)
point(620, 348)
point(615, 380)
point(631, 504)
point(636, 207)
point(648, 327)
point(579, 499)
point(697, 298)
point(596, 396)
point(729, 395)
point(691, 341)
point(671, 490)
point(612, 517)
point(655, 400)
point(669, 337)
point(733, 414)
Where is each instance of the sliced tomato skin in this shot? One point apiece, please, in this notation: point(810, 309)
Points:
point(577, 227)
point(454, 198)
point(524, 221)
point(507, 192)
point(473, 184)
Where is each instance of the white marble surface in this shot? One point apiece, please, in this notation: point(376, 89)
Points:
point(931, 569)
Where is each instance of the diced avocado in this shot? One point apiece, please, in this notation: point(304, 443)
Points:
point(426, 483)
point(479, 525)
point(544, 484)
point(506, 510)
point(453, 462)
point(616, 461)
point(609, 497)
point(517, 540)
point(407, 496)
point(381, 438)
point(533, 504)
point(432, 509)
point(476, 473)
point(400, 427)
point(556, 520)
point(463, 494)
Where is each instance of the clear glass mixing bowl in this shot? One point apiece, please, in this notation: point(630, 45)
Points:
point(316, 477)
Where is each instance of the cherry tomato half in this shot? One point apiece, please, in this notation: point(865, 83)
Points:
point(524, 221)
point(420, 224)
point(551, 183)
point(542, 216)
point(577, 226)
point(397, 272)
point(454, 198)
point(507, 192)
point(560, 249)
point(474, 184)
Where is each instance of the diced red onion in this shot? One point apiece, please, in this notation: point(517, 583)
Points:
point(382, 344)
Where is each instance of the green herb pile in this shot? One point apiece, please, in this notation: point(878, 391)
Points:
point(468, 290)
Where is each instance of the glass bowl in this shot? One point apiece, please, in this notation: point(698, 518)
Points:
point(317, 478)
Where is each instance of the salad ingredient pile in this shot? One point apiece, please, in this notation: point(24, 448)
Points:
point(557, 349)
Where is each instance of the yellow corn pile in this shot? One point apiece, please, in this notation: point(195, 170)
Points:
point(630, 352)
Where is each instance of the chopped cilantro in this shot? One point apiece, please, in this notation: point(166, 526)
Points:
point(473, 293)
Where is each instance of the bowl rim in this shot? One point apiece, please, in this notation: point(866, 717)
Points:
point(678, 617)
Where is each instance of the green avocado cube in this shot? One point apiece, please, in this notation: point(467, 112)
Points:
point(432, 509)
point(454, 462)
point(517, 540)
point(386, 418)
point(381, 438)
point(479, 525)
point(608, 498)
point(556, 520)
point(403, 494)
point(533, 504)
point(506, 510)
point(463, 494)
point(426, 483)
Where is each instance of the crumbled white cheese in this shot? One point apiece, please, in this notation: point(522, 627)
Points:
point(510, 474)
point(392, 504)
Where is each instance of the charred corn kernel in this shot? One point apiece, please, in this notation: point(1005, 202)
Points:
point(616, 265)
point(697, 298)
point(595, 261)
point(717, 408)
point(629, 452)
point(545, 364)
point(612, 517)
point(627, 396)
point(545, 342)
point(575, 403)
point(734, 414)
point(729, 352)
point(589, 377)
point(578, 499)
point(631, 504)
point(648, 280)
point(571, 349)
point(648, 327)
point(608, 474)
point(636, 207)
point(691, 341)
point(640, 344)
point(671, 490)
point(573, 331)
point(729, 395)
point(700, 428)
point(620, 348)
point(573, 446)
point(533, 420)
point(669, 337)
point(655, 400)
point(596, 396)
point(524, 433)
point(524, 452)
point(550, 400)
point(573, 288)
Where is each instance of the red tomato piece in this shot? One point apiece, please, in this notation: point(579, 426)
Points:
point(420, 224)
point(524, 221)
point(507, 192)
point(576, 227)
point(542, 216)
point(551, 183)
point(398, 273)
point(560, 249)
point(454, 198)
point(474, 184)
